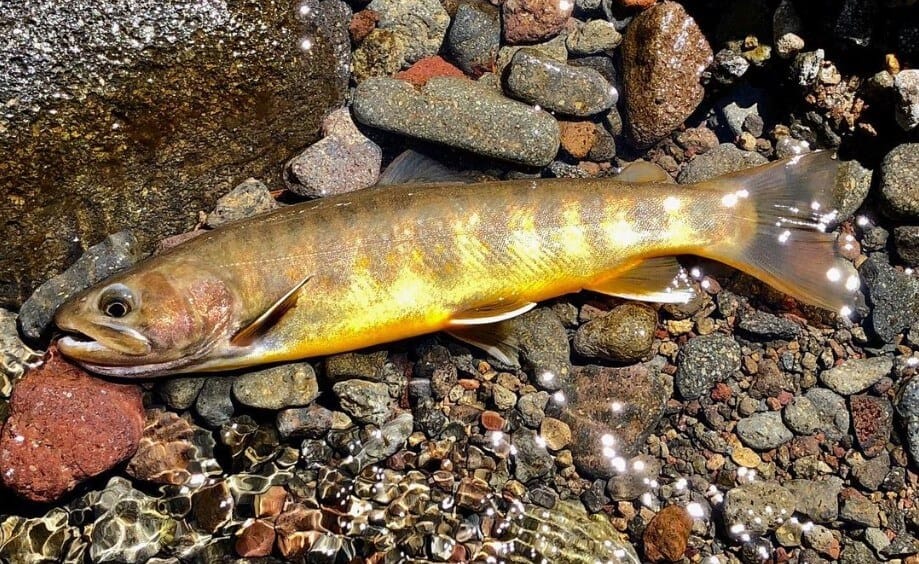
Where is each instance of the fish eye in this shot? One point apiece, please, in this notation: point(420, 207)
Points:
point(116, 301)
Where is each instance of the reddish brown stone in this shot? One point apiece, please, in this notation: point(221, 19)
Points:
point(256, 540)
point(66, 426)
point(165, 449)
point(721, 392)
point(492, 421)
point(577, 137)
point(427, 68)
point(667, 534)
point(637, 4)
point(362, 23)
point(872, 419)
point(270, 503)
point(534, 20)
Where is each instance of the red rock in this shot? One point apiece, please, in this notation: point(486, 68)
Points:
point(66, 426)
point(492, 421)
point(577, 137)
point(362, 23)
point(667, 534)
point(270, 503)
point(535, 20)
point(872, 419)
point(256, 540)
point(721, 392)
point(427, 68)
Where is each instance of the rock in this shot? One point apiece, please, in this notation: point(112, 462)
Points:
point(531, 460)
point(763, 431)
point(362, 23)
point(594, 36)
point(543, 346)
point(872, 420)
point(757, 507)
point(420, 25)
point(625, 334)
point(870, 473)
point(893, 295)
point(553, 50)
point(532, 408)
point(555, 433)
point(558, 87)
point(148, 114)
point(366, 366)
point(859, 510)
point(255, 540)
point(114, 253)
point(818, 411)
point(382, 445)
point(15, 356)
point(906, 240)
point(610, 412)
point(729, 65)
point(667, 534)
point(632, 478)
point(381, 53)
point(663, 56)
point(427, 68)
point(704, 361)
point(768, 326)
point(172, 451)
point(534, 20)
point(451, 111)
point(250, 197)
point(312, 422)
point(180, 393)
point(368, 402)
point(723, 159)
point(898, 189)
point(817, 499)
point(908, 409)
point(474, 37)
point(823, 541)
point(577, 137)
point(342, 161)
point(56, 436)
point(906, 85)
point(214, 404)
point(740, 104)
point(277, 387)
point(786, 29)
point(856, 375)
point(852, 186)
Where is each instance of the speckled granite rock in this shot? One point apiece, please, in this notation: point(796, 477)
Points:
point(249, 198)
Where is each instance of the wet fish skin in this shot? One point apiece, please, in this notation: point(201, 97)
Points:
point(393, 262)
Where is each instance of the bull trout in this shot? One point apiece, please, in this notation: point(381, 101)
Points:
point(397, 261)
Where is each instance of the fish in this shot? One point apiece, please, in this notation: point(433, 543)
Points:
point(425, 250)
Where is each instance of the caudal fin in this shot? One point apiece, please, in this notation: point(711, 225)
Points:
point(791, 250)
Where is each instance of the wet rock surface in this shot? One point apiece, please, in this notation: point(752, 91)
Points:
point(576, 91)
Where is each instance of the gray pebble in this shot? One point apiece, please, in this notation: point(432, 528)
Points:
point(474, 37)
point(532, 408)
point(704, 361)
point(758, 506)
point(763, 431)
point(250, 197)
point(787, 146)
point(786, 29)
point(729, 65)
point(633, 478)
point(504, 399)
point(625, 334)
point(342, 161)
point(855, 552)
point(899, 189)
point(908, 409)
point(861, 511)
point(817, 499)
point(852, 185)
point(893, 295)
point(807, 66)
point(723, 159)
point(543, 346)
point(421, 25)
point(595, 36)
point(367, 402)
point(870, 473)
point(390, 438)
point(366, 366)
point(740, 104)
point(311, 422)
point(906, 240)
point(436, 366)
point(114, 253)
point(554, 50)
point(277, 387)
point(214, 403)
point(856, 375)
point(818, 411)
point(452, 110)
point(766, 325)
point(180, 393)
point(906, 85)
point(531, 460)
point(555, 86)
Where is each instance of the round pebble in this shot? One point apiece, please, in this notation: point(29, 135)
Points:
point(555, 86)
point(625, 334)
point(704, 361)
point(764, 431)
point(757, 508)
point(288, 385)
point(897, 181)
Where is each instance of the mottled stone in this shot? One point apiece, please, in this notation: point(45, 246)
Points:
point(758, 506)
point(594, 36)
point(893, 295)
point(763, 431)
point(625, 334)
point(312, 422)
point(768, 326)
point(250, 197)
point(908, 409)
point(906, 240)
point(56, 435)
point(474, 37)
point(277, 387)
point(181, 392)
point(663, 56)
point(667, 534)
point(365, 401)
point(214, 402)
point(420, 25)
point(852, 186)
point(366, 366)
point(256, 540)
point(723, 159)
point(703, 361)
point(15, 356)
point(906, 85)
point(872, 420)
point(451, 110)
point(898, 187)
point(556, 86)
point(818, 411)
point(856, 375)
point(531, 460)
point(534, 20)
point(817, 499)
point(172, 450)
point(543, 346)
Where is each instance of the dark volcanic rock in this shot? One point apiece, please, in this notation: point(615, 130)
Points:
point(704, 361)
point(60, 432)
point(148, 112)
point(894, 295)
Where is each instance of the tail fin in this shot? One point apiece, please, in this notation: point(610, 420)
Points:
point(790, 248)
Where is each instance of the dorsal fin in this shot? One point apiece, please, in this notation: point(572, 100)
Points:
point(411, 167)
point(659, 279)
point(245, 336)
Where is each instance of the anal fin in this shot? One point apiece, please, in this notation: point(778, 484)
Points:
point(491, 313)
point(261, 324)
point(659, 279)
point(497, 339)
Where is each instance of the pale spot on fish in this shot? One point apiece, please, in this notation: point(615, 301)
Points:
point(672, 204)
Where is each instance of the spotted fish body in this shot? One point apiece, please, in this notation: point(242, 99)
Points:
point(393, 262)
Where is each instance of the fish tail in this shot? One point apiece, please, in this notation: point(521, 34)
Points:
point(785, 210)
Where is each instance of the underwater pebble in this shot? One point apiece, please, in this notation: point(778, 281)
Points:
point(663, 56)
point(56, 437)
point(768, 326)
point(420, 24)
point(558, 87)
point(704, 361)
point(531, 460)
point(556, 433)
point(381, 53)
point(818, 411)
point(312, 422)
point(114, 253)
point(856, 375)
point(906, 240)
point(870, 473)
point(128, 527)
point(625, 334)
point(906, 85)
point(739, 105)
point(667, 534)
point(817, 499)
point(872, 421)
point(527, 21)
point(757, 507)
point(474, 37)
point(248, 198)
point(786, 29)
point(368, 402)
point(860, 510)
point(723, 159)
point(15, 356)
point(172, 450)
point(277, 387)
point(543, 346)
point(852, 186)
point(908, 409)
point(899, 191)
point(593, 36)
point(367, 366)
point(763, 431)
point(451, 110)
point(255, 540)
point(214, 403)
point(532, 408)
point(342, 161)
point(180, 393)
point(383, 444)
point(894, 297)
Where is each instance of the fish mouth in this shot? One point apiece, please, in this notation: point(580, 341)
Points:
point(105, 343)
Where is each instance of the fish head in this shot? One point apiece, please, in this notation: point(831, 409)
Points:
point(147, 322)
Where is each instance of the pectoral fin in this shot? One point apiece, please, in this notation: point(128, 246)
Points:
point(659, 279)
point(497, 339)
point(269, 317)
point(492, 313)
